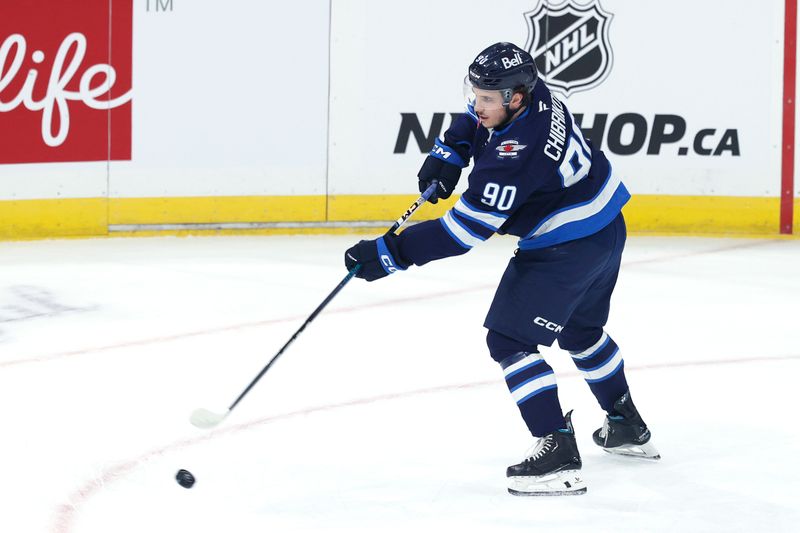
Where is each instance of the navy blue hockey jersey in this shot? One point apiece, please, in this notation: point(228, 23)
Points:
point(537, 178)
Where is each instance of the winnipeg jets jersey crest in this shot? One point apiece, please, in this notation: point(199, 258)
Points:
point(509, 148)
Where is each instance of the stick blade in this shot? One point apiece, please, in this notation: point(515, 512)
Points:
point(205, 419)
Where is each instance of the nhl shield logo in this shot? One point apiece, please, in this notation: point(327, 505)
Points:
point(570, 45)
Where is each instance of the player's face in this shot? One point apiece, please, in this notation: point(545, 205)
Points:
point(489, 107)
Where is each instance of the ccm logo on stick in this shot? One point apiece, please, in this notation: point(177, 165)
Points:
point(552, 326)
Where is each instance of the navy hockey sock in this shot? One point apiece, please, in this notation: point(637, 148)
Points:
point(603, 369)
point(531, 382)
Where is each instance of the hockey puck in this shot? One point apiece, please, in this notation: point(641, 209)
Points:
point(185, 479)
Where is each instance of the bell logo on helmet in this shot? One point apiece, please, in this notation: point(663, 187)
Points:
point(503, 66)
point(570, 44)
point(515, 62)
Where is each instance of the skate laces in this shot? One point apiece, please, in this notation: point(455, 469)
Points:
point(605, 428)
point(544, 445)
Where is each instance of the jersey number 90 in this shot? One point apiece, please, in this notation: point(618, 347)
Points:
point(494, 196)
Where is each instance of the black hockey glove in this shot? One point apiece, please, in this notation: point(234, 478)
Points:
point(443, 164)
point(378, 258)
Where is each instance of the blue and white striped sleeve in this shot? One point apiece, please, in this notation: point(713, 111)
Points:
point(469, 226)
point(486, 219)
point(461, 228)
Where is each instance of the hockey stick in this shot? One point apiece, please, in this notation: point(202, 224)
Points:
point(205, 419)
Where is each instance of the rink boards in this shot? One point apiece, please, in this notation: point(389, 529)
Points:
point(309, 116)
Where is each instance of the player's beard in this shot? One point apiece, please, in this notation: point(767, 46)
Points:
point(509, 116)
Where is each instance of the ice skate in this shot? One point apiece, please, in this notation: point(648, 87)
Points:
point(626, 433)
point(552, 468)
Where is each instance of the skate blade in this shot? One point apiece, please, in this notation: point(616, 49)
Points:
point(564, 483)
point(643, 451)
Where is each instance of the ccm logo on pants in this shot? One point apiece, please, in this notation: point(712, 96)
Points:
point(552, 326)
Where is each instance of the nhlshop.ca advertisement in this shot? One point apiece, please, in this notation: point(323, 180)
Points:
point(668, 97)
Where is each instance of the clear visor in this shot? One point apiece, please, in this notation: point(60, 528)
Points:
point(481, 99)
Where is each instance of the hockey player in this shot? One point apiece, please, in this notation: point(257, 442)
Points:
point(535, 176)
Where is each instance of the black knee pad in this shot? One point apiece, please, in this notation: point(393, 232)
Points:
point(501, 347)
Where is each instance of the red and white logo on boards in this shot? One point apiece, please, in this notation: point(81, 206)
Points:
point(65, 80)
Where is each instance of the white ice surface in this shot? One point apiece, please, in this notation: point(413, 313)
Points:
point(387, 413)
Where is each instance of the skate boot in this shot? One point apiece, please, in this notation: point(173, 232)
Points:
point(552, 468)
point(625, 433)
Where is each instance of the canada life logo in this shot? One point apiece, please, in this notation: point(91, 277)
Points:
point(65, 81)
point(569, 43)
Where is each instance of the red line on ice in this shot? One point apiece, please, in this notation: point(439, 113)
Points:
point(65, 513)
point(395, 301)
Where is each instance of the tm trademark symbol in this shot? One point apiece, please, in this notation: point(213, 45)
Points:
point(160, 5)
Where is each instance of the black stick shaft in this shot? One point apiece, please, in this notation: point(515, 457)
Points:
point(400, 221)
point(297, 333)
